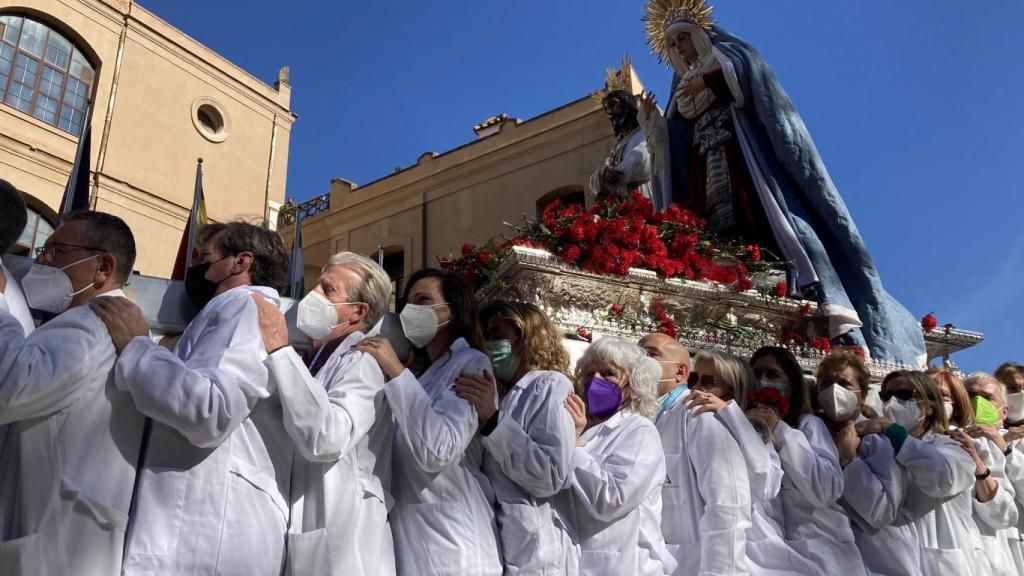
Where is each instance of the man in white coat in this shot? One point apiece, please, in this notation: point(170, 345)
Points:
point(336, 413)
point(214, 482)
point(75, 438)
point(706, 505)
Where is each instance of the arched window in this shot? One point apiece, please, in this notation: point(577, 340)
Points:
point(43, 74)
point(37, 230)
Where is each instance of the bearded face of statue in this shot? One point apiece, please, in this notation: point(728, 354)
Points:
point(621, 109)
point(682, 44)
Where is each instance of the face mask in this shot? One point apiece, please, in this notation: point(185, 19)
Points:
point(49, 289)
point(948, 406)
point(603, 397)
point(318, 317)
point(984, 411)
point(420, 323)
point(1015, 407)
point(199, 289)
point(666, 362)
point(838, 403)
point(906, 413)
point(777, 386)
point(504, 361)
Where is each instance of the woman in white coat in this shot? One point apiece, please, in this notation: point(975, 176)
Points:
point(529, 440)
point(443, 519)
point(335, 413)
point(941, 475)
point(618, 467)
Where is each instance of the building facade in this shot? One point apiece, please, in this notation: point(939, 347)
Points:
point(159, 101)
point(412, 217)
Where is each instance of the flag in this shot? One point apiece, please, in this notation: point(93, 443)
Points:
point(189, 248)
point(296, 267)
point(76, 193)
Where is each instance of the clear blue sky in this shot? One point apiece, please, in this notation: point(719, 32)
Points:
point(915, 106)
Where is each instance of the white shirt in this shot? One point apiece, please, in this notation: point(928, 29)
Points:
point(527, 462)
point(997, 517)
point(443, 519)
point(1015, 474)
point(12, 299)
point(874, 489)
point(631, 157)
point(816, 525)
point(707, 506)
point(941, 482)
point(79, 438)
point(341, 426)
point(212, 497)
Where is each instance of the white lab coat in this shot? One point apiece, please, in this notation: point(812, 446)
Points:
point(707, 504)
point(212, 496)
point(938, 502)
point(443, 517)
point(998, 516)
point(78, 440)
point(527, 461)
point(615, 481)
point(341, 426)
point(816, 525)
point(1015, 474)
point(874, 489)
point(768, 553)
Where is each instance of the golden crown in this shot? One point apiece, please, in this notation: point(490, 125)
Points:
point(658, 14)
point(621, 80)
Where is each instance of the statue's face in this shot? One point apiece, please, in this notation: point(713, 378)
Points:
point(613, 107)
point(681, 43)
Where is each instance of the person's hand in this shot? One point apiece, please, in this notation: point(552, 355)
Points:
point(1014, 434)
point(610, 176)
point(987, 431)
point(847, 443)
point(647, 103)
point(479, 391)
point(169, 341)
point(384, 354)
point(273, 328)
point(578, 410)
point(872, 426)
point(123, 318)
point(692, 87)
point(968, 445)
point(704, 402)
point(766, 414)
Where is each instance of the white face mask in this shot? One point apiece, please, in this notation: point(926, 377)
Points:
point(49, 289)
point(1015, 407)
point(838, 403)
point(420, 323)
point(906, 413)
point(318, 317)
point(949, 411)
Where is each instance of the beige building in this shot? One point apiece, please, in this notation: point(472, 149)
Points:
point(160, 101)
point(512, 168)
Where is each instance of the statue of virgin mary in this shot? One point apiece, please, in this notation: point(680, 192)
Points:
point(732, 148)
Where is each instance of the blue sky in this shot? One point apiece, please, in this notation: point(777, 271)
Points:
point(915, 106)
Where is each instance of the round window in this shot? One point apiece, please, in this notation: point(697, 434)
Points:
point(210, 120)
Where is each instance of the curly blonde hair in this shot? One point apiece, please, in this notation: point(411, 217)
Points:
point(539, 346)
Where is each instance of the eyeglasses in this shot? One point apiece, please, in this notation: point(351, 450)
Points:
point(52, 249)
point(702, 381)
point(904, 395)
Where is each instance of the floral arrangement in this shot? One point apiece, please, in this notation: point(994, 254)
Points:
point(768, 397)
point(613, 236)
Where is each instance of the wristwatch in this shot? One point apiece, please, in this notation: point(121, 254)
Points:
point(983, 475)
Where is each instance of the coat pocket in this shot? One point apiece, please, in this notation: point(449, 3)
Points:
point(255, 525)
point(309, 553)
point(23, 556)
point(944, 562)
point(437, 539)
point(92, 532)
point(159, 504)
point(520, 531)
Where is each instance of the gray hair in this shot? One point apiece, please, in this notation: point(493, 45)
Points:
point(978, 377)
point(642, 371)
point(375, 288)
point(733, 371)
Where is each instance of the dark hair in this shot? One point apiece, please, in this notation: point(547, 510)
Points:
point(1007, 371)
point(840, 359)
point(459, 297)
point(799, 390)
point(108, 233)
point(15, 215)
point(627, 118)
point(269, 256)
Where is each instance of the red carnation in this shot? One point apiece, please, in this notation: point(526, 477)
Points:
point(467, 248)
point(781, 289)
point(821, 343)
point(805, 310)
point(616, 309)
point(583, 333)
point(929, 322)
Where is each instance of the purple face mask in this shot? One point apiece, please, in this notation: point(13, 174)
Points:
point(603, 397)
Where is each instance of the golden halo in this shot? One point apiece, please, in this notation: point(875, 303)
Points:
point(658, 14)
point(621, 80)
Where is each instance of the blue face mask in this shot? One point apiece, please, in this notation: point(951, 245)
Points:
point(504, 361)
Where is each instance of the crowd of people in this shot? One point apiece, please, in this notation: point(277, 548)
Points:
point(480, 452)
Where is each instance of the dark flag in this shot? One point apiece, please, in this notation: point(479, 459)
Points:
point(188, 249)
point(296, 267)
point(76, 193)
